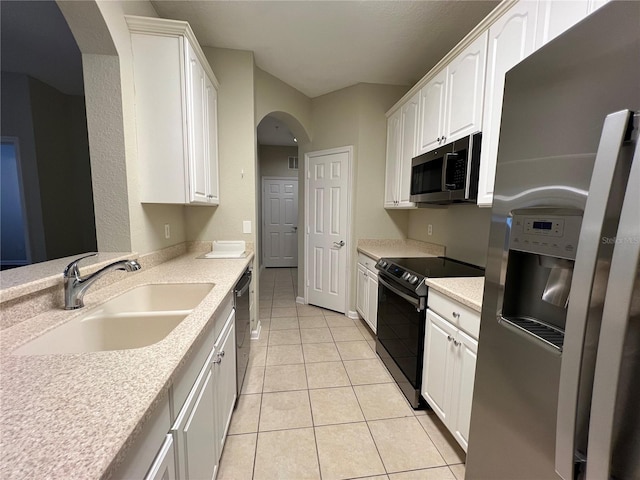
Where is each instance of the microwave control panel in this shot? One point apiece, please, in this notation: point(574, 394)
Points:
point(546, 232)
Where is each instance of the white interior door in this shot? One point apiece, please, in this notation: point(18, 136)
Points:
point(326, 220)
point(279, 222)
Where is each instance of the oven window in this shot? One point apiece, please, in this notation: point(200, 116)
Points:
point(427, 177)
point(401, 331)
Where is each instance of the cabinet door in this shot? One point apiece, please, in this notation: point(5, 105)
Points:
point(462, 396)
point(465, 91)
point(164, 466)
point(200, 454)
point(511, 39)
point(372, 288)
point(362, 291)
point(438, 369)
point(225, 383)
point(408, 134)
point(393, 157)
point(557, 16)
point(196, 107)
point(432, 105)
point(213, 190)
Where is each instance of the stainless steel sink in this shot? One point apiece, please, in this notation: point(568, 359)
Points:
point(137, 318)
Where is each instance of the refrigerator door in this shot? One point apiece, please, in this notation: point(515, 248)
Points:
point(614, 428)
point(554, 106)
point(609, 178)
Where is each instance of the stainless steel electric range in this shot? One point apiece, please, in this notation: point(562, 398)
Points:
point(402, 306)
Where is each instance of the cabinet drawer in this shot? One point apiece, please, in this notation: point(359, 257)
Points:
point(461, 316)
point(367, 261)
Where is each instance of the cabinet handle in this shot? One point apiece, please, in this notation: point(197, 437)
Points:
point(221, 353)
point(444, 138)
point(217, 360)
point(456, 315)
point(449, 337)
point(456, 343)
point(438, 139)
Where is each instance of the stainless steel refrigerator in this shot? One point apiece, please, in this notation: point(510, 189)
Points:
point(557, 386)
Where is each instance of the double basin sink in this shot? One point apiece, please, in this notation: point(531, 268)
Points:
point(137, 318)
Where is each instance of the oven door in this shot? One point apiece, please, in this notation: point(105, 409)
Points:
point(400, 336)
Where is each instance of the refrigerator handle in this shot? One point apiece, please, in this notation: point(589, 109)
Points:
point(597, 206)
point(615, 321)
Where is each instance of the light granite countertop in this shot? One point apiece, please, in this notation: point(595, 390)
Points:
point(466, 290)
point(378, 249)
point(74, 416)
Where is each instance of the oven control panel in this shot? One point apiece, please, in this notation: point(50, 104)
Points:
point(400, 273)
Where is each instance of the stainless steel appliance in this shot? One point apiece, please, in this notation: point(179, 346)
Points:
point(556, 390)
point(243, 326)
point(402, 306)
point(448, 174)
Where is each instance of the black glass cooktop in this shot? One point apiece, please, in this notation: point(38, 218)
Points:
point(437, 267)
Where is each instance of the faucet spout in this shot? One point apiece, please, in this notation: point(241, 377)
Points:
point(76, 286)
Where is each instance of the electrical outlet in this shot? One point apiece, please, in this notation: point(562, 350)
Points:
point(167, 230)
point(430, 229)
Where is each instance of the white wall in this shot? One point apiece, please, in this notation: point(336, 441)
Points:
point(236, 150)
point(356, 116)
point(146, 221)
point(273, 160)
point(464, 229)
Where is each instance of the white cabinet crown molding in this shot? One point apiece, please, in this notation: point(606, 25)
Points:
point(164, 26)
point(478, 30)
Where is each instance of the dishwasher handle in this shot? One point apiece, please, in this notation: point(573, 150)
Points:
point(243, 284)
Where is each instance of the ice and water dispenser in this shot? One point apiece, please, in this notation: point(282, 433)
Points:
point(542, 245)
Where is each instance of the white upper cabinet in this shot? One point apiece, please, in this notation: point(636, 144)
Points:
point(465, 91)
point(402, 129)
point(511, 39)
point(451, 102)
point(432, 102)
point(556, 16)
point(393, 157)
point(176, 114)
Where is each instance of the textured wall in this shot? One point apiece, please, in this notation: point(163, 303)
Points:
point(274, 160)
point(236, 152)
point(356, 116)
point(464, 229)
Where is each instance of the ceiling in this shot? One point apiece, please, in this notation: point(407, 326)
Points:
point(321, 46)
point(272, 131)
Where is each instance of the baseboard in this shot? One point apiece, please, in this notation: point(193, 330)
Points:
point(300, 300)
point(255, 334)
point(352, 314)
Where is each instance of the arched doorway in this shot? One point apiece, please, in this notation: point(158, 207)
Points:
point(279, 136)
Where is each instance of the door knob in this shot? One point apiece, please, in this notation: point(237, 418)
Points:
point(295, 229)
point(339, 244)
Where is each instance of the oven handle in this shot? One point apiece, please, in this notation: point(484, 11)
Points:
point(418, 303)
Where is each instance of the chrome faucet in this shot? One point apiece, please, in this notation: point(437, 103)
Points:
point(75, 286)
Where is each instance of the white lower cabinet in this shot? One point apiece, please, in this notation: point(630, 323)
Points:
point(201, 425)
point(164, 466)
point(449, 366)
point(367, 291)
point(202, 399)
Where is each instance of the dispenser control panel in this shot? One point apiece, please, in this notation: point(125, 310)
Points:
point(548, 231)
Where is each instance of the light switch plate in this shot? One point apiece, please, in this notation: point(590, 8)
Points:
point(246, 226)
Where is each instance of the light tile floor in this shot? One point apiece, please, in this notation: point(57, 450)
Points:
point(317, 403)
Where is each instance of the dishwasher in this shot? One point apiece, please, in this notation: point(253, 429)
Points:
point(241, 300)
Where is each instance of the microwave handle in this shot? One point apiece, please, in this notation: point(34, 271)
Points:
point(448, 186)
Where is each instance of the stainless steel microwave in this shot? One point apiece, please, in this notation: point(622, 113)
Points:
point(448, 174)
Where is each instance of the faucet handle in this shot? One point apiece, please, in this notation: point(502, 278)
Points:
point(72, 268)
